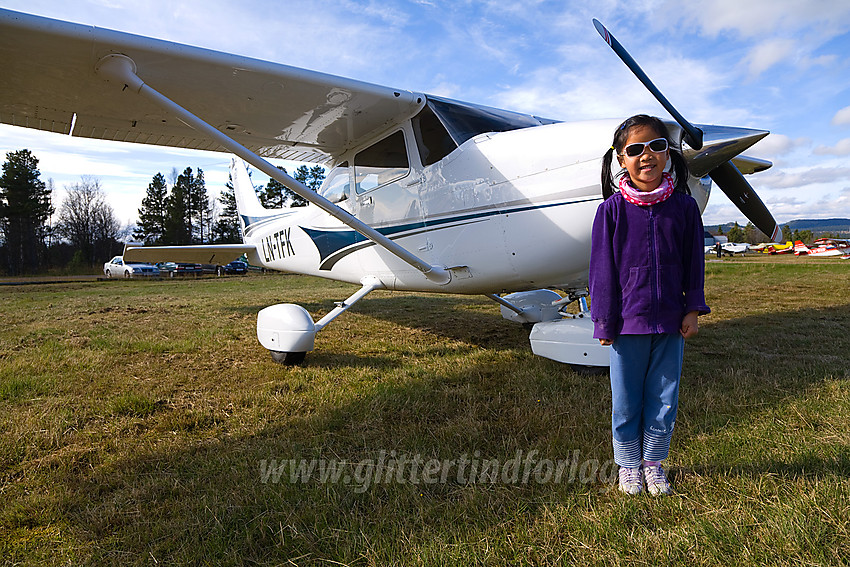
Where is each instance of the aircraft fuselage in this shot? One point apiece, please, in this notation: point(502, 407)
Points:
point(506, 211)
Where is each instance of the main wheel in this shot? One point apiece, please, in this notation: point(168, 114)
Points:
point(288, 358)
point(583, 370)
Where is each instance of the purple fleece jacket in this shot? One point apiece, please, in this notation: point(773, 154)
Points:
point(647, 266)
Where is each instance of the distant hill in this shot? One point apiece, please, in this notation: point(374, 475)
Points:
point(820, 225)
point(817, 226)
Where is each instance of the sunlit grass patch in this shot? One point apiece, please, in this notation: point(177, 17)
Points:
point(15, 386)
point(131, 404)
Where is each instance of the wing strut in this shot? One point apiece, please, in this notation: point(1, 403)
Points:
point(122, 69)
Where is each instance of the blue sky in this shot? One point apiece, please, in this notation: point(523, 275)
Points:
point(779, 65)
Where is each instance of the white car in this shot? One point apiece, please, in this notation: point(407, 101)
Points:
point(116, 268)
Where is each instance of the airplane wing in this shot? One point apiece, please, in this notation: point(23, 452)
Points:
point(201, 254)
point(50, 83)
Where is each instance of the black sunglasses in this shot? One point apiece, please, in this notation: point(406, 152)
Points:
point(657, 145)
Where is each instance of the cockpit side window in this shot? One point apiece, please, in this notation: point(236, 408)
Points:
point(381, 163)
point(432, 138)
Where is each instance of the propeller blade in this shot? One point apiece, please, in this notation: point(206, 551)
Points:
point(726, 175)
point(693, 135)
point(719, 145)
point(739, 191)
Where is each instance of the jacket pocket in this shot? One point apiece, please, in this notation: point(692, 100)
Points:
point(637, 293)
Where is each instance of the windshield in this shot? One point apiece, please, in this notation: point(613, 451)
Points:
point(464, 121)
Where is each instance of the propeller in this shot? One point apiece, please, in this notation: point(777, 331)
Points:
point(726, 175)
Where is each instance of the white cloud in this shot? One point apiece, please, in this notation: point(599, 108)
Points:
point(842, 117)
point(758, 17)
point(794, 179)
point(786, 32)
point(777, 145)
point(767, 54)
point(443, 87)
point(842, 148)
point(841, 201)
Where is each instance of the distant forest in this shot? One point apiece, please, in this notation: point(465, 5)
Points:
point(81, 232)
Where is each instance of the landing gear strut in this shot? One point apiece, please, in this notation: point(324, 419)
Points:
point(288, 330)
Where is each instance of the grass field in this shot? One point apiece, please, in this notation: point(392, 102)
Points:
point(143, 424)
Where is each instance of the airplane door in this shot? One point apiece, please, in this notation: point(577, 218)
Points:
point(385, 185)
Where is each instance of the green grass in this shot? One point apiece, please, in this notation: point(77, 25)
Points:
point(137, 421)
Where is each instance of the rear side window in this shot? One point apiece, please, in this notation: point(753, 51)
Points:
point(381, 163)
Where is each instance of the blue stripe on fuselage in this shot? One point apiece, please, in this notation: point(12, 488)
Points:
point(330, 242)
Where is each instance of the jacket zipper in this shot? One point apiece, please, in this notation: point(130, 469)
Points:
point(653, 272)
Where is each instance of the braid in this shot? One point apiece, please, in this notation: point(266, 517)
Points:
point(679, 168)
point(608, 183)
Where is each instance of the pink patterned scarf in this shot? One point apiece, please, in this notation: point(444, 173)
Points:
point(646, 198)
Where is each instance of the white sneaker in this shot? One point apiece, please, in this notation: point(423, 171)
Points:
point(630, 480)
point(656, 481)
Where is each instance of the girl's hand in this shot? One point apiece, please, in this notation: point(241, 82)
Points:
point(606, 342)
point(690, 325)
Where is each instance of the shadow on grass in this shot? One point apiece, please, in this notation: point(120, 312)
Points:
point(205, 500)
point(453, 317)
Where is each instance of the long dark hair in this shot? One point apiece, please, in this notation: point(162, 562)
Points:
point(678, 165)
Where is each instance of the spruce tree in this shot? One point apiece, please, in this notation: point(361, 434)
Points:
point(312, 177)
point(274, 197)
point(275, 193)
point(178, 221)
point(200, 209)
point(152, 214)
point(227, 226)
point(24, 210)
point(278, 196)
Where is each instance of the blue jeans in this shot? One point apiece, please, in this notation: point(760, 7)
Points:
point(645, 372)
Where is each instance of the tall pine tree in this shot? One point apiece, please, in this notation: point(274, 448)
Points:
point(226, 229)
point(274, 195)
point(200, 209)
point(312, 177)
point(24, 210)
point(178, 219)
point(277, 196)
point(153, 214)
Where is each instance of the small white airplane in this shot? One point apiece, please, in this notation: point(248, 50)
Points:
point(728, 248)
point(733, 248)
point(424, 193)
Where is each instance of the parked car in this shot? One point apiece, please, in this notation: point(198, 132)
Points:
point(179, 269)
point(234, 267)
point(117, 268)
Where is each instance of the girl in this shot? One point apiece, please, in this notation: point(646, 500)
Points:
point(646, 291)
